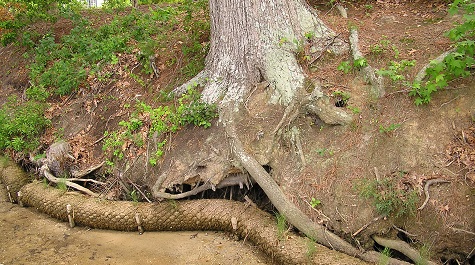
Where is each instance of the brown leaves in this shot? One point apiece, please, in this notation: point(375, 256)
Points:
point(462, 151)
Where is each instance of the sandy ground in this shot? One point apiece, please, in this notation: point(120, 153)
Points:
point(29, 237)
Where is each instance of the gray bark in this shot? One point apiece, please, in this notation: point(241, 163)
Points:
point(253, 40)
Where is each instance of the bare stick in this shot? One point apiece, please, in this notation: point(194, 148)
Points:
point(19, 198)
point(426, 190)
point(366, 225)
point(87, 171)
point(403, 231)
point(138, 220)
point(462, 230)
point(9, 194)
point(70, 212)
point(73, 185)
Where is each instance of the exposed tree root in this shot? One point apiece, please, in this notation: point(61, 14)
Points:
point(46, 172)
point(422, 73)
point(235, 180)
point(368, 72)
point(426, 190)
point(293, 215)
point(404, 248)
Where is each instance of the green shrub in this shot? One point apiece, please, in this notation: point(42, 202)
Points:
point(387, 197)
point(457, 63)
point(21, 123)
point(159, 121)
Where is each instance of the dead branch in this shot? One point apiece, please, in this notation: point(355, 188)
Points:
point(404, 248)
point(403, 231)
point(426, 190)
point(45, 170)
point(87, 171)
point(366, 225)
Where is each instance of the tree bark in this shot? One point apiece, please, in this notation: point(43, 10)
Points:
point(252, 40)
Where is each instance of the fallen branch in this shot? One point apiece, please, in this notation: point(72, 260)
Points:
point(45, 170)
point(404, 248)
point(426, 190)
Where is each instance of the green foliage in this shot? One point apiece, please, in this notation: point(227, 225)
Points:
point(395, 70)
point(314, 202)
point(457, 63)
point(61, 185)
point(387, 197)
point(282, 225)
point(344, 66)
point(116, 4)
point(385, 256)
point(134, 196)
point(21, 123)
point(391, 128)
point(311, 248)
point(20, 13)
point(360, 63)
point(156, 122)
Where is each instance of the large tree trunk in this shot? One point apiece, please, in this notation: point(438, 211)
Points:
point(254, 41)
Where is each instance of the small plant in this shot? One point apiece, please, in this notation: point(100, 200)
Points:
point(344, 66)
point(311, 248)
point(324, 151)
point(391, 128)
point(360, 63)
point(314, 202)
point(425, 255)
point(134, 196)
point(395, 70)
point(309, 35)
point(341, 98)
point(61, 185)
point(387, 197)
point(385, 256)
point(353, 109)
point(281, 225)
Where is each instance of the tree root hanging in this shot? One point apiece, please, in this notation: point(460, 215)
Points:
point(404, 248)
point(235, 180)
point(46, 172)
point(285, 207)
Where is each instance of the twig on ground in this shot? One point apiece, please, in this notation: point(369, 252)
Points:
point(403, 231)
point(426, 190)
point(366, 225)
point(87, 171)
point(463, 230)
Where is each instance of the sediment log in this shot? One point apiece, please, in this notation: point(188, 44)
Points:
point(250, 223)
